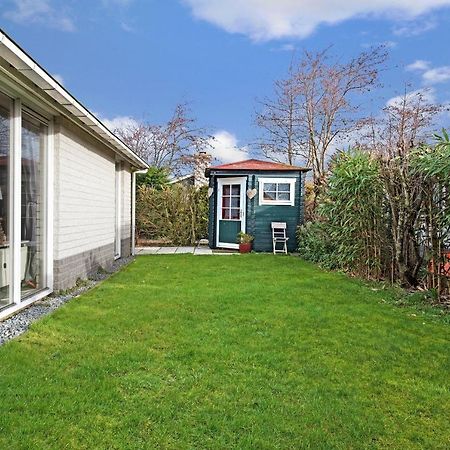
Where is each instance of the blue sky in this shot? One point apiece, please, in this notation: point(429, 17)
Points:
point(135, 59)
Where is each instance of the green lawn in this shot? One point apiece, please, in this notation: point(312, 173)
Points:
point(222, 352)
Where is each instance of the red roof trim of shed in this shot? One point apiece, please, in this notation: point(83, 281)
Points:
point(255, 164)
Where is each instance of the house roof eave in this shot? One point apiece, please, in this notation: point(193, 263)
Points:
point(36, 74)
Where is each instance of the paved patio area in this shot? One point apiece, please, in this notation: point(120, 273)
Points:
point(201, 250)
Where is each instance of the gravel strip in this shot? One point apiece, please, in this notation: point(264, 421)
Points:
point(19, 323)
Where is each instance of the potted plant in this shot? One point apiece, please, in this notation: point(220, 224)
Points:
point(245, 242)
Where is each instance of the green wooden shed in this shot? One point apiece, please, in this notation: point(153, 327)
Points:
point(248, 196)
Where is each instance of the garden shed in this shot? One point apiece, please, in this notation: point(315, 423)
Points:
point(248, 196)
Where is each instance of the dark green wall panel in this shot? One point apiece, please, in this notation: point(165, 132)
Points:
point(228, 231)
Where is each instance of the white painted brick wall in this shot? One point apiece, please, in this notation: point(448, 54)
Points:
point(126, 202)
point(85, 193)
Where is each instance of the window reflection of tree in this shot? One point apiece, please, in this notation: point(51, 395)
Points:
point(31, 149)
point(4, 154)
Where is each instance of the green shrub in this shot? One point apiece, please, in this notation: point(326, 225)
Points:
point(314, 244)
point(155, 177)
point(178, 214)
point(352, 222)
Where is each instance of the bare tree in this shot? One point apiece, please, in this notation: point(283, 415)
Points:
point(404, 125)
point(316, 105)
point(169, 145)
point(280, 120)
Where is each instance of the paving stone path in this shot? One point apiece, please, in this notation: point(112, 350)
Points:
point(200, 250)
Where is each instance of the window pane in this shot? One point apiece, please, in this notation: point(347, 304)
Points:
point(34, 137)
point(236, 189)
point(226, 189)
point(285, 196)
point(284, 187)
point(5, 143)
point(225, 202)
point(235, 202)
point(270, 195)
point(235, 213)
point(225, 213)
point(271, 187)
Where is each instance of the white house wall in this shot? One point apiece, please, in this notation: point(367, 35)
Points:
point(79, 170)
point(125, 231)
point(84, 210)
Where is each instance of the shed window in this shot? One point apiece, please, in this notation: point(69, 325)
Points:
point(277, 191)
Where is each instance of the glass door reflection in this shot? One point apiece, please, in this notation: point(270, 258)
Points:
point(5, 150)
point(34, 134)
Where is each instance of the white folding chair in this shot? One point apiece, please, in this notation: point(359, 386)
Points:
point(279, 237)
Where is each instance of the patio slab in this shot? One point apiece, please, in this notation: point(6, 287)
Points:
point(185, 250)
point(203, 251)
point(225, 254)
point(147, 250)
point(167, 251)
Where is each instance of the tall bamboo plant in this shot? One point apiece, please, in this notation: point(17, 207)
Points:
point(352, 212)
point(386, 217)
point(432, 163)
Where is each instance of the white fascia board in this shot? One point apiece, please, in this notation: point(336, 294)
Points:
point(36, 74)
point(182, 178)
point(7, 50)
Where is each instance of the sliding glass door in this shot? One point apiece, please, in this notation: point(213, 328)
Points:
point(24, 187)
point(34, 139)
point(5, 150)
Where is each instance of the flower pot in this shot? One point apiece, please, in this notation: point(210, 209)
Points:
point(245, 247)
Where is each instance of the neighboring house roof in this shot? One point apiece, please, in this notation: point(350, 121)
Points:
point(182, 178)
point(45, 85)
point(256, 165)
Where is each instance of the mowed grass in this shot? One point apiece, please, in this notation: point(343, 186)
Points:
point(224, 352)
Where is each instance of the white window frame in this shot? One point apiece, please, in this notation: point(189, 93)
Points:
point(243, 219)
point(17, 301)
point(290, 181)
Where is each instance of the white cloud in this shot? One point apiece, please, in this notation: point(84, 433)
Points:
point(419, 65)
point(436, 75)
point(39, 11)
point(58, 78)
point(119, 122)
point(273, 19)
point(224, 147)
point(390, 44)
point(291, 48)
point(287, 48)
point(122, 3)
point(414, 27)
point(430, 75)
point(386, 44)
point(127, 27)
point(426, 95)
